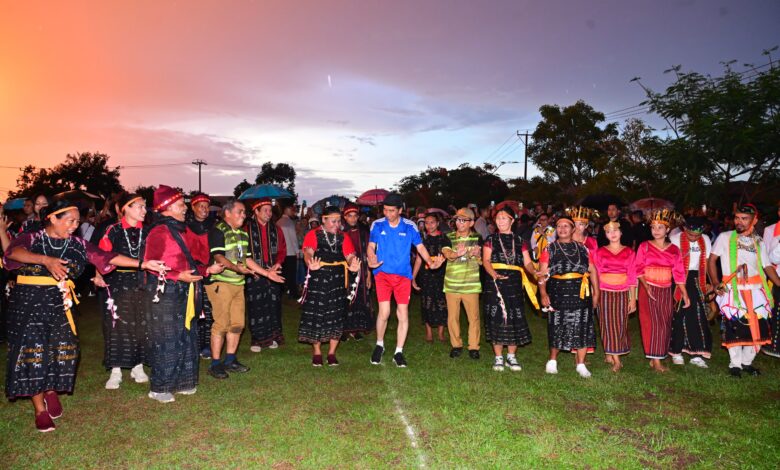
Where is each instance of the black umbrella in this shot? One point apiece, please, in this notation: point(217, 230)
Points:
point(601, 201)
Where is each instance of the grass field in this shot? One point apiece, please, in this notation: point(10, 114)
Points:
point(460, 414)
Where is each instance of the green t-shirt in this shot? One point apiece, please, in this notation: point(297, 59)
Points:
point(462, 274)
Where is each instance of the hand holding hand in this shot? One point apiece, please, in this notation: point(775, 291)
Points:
point(354, 265)
point(215, 268)
point(154, 265)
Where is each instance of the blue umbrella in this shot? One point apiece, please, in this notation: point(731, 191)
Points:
point(14, 204)
point(259, 191)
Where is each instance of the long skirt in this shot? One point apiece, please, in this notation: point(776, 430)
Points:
point(512, 331)
point(655, 319)
point(125, 340)
point(173, 349)
point(613, 320)
point(322, 315)
point(205, 322)
point(690, 328)
point(433, 303)
point(774, 348)
point(360, 317)
point(264, 311)
point(42, 350)
point(571, 326)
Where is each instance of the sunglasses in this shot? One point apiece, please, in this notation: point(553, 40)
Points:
point(462, 221)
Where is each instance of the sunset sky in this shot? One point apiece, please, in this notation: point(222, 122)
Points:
point(353, 94)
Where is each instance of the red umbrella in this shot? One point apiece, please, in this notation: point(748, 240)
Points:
point(435, 210)
point(650, 203)
point(373, 197)
point(514, 205)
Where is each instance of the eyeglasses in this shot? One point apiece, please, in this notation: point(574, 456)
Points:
point(462, 221)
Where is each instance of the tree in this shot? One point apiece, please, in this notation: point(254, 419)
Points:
point(439, 187)
point(571, 149)
point(83, 171)
point(726, 129)
point(241, 187)
point(281, 174)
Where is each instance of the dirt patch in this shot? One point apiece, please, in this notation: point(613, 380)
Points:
point(678, 458)
point(283, 466)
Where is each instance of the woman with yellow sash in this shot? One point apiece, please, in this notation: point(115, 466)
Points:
point(569, 295)
point(659, 266)
point(504, 255)
point(43, 347)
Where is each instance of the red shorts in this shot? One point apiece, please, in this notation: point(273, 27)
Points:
point(394, 285)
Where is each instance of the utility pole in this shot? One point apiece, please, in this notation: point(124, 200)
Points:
point(525, 155)
point(200, 163)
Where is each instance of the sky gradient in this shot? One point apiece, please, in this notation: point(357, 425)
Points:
point(353, 94)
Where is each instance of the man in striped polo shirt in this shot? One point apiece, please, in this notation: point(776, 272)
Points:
point(461, 281)
point(229, 245)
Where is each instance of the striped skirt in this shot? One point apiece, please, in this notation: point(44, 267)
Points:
point(613, 320)
point(655, 319)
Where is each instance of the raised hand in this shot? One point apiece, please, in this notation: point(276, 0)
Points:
point(314, 263)
point(437, 261)
point(354, 265)
point(373, 261)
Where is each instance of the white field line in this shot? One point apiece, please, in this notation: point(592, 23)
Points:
point(410, 432)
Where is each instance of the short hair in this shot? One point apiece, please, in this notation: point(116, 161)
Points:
point(229, 205)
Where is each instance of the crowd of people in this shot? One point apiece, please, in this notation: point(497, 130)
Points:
point(178, 283)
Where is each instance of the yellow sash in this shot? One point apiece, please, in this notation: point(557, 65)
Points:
point(50, 281)
point(530, 287)
point(346, 270)
point(584, 287)
point(190, 312)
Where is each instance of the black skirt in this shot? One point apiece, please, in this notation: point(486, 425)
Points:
point(324, 308)
point(360, 317)
point(690, 328)
point(433, 303)
point(264, 311)
point(205, 322)
point(571, 326)
point(42, 350)
point(173, 349)
point(125, 339)
point(514, 330)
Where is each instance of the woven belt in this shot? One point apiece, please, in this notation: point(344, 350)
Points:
point(530, 288)
point(584, 286)
point(346, 269)
point(50, 281)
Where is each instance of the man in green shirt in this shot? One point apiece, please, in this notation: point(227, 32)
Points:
point(461, 281)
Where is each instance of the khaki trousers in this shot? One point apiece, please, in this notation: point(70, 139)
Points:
point(471, 303)
point(227, 307)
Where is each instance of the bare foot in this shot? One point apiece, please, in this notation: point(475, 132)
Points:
point(609, 359)
point(616, 366)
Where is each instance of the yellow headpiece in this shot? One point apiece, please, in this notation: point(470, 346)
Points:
point(665, 216)
point(581, 213)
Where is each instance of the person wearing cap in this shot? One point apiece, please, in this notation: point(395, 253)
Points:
point(463, 252)
point(359, 318)
point(743, 294)
point(570, 294)
point(200, 221)
point(659, 267)
point(389, 247)
point(229, 246)
point(772, 249)
point(290, 264)
point(173, 319)
point(43, 348)
point(616, 267)
point(124, 316)
point(329, 256)
point(433, 304)
point(507, 262)
point(690, 328)
point(268, 249)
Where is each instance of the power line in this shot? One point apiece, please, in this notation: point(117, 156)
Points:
point(487, 159)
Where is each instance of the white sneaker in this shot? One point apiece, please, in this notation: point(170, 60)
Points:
point(162, 397)
point(273, 345)
point(138, 374)
point(699, 362)
point(551, 367)
point(514, 366)
point(114, 379)
point(583, 371)
point(678, 360)
point(498, 364)
point(188, 392)
point(255, 348)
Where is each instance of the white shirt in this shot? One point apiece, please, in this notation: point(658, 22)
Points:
point(772, 244)
point(744, 256)
point(693, 263)
point(290, 236)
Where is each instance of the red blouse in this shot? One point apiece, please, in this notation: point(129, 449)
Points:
point(160, 245)
point(617, 272)
point(660, 267)
point(310, 241)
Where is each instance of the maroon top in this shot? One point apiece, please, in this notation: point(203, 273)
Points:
point(161, 246)
point(77, 252)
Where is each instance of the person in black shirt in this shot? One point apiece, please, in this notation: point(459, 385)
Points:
point(627, 239)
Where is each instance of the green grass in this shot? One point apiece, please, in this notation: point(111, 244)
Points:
point(286, 414)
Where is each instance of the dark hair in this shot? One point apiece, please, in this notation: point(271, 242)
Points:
point(434, 215)
point(35, 198)
point(229, 205)
point(54, 207)
point(330, 210)
point(508, 210)
point(126, 197)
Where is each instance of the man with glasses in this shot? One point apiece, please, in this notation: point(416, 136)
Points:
point(463, 252)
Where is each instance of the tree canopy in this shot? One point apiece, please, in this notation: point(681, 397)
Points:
point(83, 171)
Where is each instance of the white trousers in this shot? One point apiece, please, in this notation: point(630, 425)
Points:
point(740, 356)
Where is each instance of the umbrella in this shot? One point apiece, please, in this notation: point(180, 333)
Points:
point(260, 191)
point(14, 204)
point(650, 203)
point(372, 197)
point(601, 201)
point(514, 205)
point(77, 195)
point(338, 201)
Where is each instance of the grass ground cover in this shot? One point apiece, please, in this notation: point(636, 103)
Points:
point(461, 414)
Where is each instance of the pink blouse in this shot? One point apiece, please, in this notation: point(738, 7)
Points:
point(659, 267)
point(617, 272)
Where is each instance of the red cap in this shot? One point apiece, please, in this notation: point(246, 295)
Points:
point(164, 196)
point(349, 207)
point(201, 197)
point(266, 201)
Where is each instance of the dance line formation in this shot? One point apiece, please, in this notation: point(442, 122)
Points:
point(177, 284)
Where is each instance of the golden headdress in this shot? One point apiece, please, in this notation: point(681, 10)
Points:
point(581, 213)
point(665, 216)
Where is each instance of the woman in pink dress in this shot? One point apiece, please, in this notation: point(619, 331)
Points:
point(617, 281)
point(658, 267)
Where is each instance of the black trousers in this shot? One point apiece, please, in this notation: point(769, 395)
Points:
point(289, 272)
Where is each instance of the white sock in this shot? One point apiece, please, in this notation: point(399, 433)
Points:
point(398, 350)
point(510, 356)
point(499, 358)
point(380, 343)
